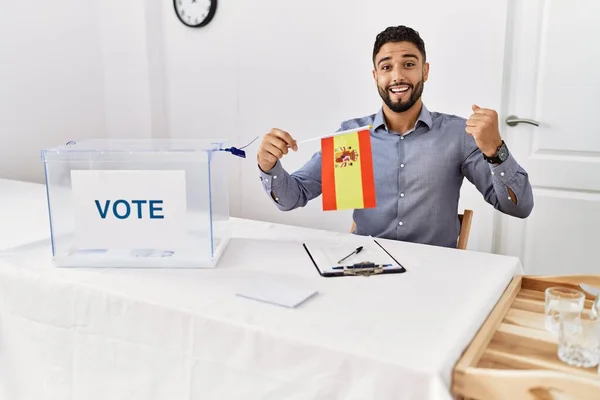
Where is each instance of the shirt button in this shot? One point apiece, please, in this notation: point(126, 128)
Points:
point(400, 223)
point(276, 198)
point(401, 165)
point(275, 177)
point(501, 173)
point(401, 137)
point(401, 194)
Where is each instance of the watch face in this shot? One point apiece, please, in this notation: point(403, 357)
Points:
point(195, 13)
point(503, 152)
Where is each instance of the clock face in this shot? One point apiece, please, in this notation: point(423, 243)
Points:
point(195, 13)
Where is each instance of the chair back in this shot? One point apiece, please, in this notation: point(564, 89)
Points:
point(465, 229)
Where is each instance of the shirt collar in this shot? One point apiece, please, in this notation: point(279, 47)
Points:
point(424, 116)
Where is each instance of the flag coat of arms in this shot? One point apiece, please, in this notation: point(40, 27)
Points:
point(347, 171)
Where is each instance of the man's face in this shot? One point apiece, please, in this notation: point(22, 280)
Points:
point(400, 74)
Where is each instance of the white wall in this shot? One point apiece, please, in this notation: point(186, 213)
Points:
point(72, 70)
point(123, 43)
point(306, 66)
point(51, 81)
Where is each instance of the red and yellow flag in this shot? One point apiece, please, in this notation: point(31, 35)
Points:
point(347, 171)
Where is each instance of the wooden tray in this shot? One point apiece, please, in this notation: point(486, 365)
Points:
point(512, 356)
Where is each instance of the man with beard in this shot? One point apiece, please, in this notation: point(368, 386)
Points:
point(419, 157)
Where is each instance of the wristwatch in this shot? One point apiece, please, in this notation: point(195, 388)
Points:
point(500, 156)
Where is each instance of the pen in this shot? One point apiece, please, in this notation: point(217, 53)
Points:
point(358, 250)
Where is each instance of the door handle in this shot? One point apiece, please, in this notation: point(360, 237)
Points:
point(513, 120)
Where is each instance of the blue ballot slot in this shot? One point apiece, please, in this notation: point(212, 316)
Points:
point(138, 203)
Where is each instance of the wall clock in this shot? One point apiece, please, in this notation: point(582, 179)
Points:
point(195, 13)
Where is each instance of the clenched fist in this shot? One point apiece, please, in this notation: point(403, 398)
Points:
point(274, 145)
point(483, 126)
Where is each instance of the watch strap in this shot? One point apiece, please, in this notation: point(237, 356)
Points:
point(497, 157)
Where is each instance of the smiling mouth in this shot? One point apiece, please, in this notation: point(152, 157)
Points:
point(400, 89)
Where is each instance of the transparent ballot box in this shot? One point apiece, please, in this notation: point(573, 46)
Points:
point(138, 203)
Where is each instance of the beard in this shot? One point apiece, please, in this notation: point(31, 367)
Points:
point(399, 106)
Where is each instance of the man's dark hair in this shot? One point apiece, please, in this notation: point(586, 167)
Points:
point(399, 34)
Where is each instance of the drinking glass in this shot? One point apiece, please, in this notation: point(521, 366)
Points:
point(596, 308)
point(579, 340)
point(562, 301)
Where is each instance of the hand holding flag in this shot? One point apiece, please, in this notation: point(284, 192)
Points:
point(273, 147)
point(347, 178)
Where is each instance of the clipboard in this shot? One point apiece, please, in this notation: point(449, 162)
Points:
point(376, 260)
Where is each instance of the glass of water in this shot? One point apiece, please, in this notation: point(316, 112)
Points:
point(579, 340)
point(562, 301)
point(596, 308)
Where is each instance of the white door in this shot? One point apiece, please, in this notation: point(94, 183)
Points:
point(553, 78)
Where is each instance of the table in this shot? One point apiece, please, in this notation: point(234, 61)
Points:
point(184, 334)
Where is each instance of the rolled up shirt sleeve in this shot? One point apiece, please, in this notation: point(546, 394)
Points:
point(290, 191)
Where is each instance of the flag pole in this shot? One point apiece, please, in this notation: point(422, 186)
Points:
point(362, 128)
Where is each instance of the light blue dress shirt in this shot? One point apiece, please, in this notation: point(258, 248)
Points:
point(418, 177)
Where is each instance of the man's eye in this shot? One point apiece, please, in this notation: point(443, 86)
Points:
point(409, 65)
point(385, 67)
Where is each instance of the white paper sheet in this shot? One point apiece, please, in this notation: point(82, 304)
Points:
point(276, 291)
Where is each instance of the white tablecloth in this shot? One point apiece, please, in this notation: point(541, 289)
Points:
point(87, 334)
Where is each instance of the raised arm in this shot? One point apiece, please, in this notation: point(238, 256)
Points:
point(505, 184)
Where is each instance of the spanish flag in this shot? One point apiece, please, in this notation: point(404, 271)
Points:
point(347, 170)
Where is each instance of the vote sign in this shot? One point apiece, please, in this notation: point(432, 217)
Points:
point(129, 209)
